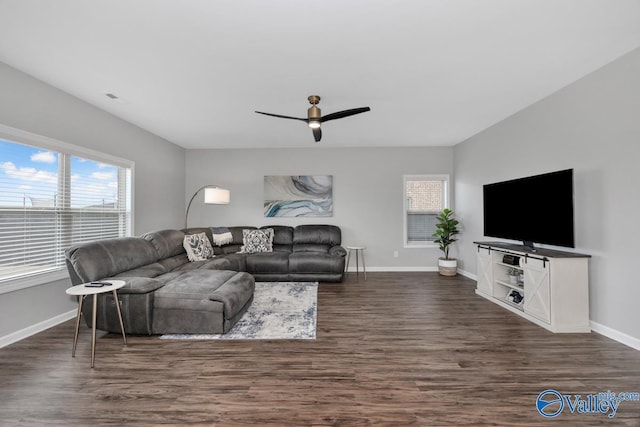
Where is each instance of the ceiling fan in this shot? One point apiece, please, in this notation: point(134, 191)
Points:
point(314, 118)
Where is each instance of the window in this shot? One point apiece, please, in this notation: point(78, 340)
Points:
point(52, 199)
point(424, 197)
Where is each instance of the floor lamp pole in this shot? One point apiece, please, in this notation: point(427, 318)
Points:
point(221, 199)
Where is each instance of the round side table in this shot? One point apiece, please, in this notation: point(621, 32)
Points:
point(358, 250)
point(82, 291)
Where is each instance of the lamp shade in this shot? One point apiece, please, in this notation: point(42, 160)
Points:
point(212, 195)
point(216, 196)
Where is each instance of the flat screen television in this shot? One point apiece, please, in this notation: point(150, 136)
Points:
point(535, 209)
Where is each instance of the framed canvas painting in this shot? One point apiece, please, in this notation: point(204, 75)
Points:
point(298, 196)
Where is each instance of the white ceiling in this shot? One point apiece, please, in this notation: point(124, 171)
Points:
point(434, 72)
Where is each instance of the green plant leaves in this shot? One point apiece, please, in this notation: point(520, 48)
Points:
point(446, 229)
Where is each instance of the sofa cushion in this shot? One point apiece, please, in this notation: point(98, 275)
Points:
point(106, 258)
point(311, 247)
point(187, 288)
point(256, 241)
point(315, 263)
point(269, 262)
point(282, 237)
point(316, 238)
point(207, 264)
point(192, 290)
point(238, 234)
point(236, 243)
point(198, 230)
point(167, 243)
point(149, 270)
point(238, 262)
point(198, 247)
point(174, 262)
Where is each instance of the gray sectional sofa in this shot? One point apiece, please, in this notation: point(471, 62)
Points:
point(167, 293)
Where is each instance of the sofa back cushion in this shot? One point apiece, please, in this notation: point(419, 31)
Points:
point(107, 258)
point(237, 242)
point(167, 243)
point(198, 230)
point(282, 237)
point(316, 238)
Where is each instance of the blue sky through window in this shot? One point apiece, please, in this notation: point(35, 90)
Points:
point(29, 178)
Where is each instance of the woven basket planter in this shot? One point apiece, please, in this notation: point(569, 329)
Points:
point(448, 267)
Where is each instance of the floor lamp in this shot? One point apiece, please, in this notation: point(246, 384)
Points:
point(213, 195)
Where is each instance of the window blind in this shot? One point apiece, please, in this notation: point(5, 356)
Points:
point(425, 197)
point(421, 226)
point(51, 200)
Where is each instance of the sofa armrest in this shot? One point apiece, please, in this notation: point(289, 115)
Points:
point(338, 251)
point(138, 285)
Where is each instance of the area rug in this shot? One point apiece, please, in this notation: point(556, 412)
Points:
point(280, 310)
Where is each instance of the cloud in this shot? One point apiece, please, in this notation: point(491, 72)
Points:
point(29, 174)
point(44, 157)
point(25, 187)
point(113, 184)
point(103, 175)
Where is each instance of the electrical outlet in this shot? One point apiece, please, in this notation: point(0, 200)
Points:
point(395, 254)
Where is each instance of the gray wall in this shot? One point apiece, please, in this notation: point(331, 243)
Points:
point(368, 188)
point(592, 126)
point(31, 105)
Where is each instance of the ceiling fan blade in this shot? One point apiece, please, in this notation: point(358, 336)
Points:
point(281, 116)
point(317, 134)
point(345, 113)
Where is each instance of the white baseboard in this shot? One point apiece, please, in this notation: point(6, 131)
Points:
point(468, 275)
point(38, 327)
point(615, 335)
point(409, 269)
point(393, 269)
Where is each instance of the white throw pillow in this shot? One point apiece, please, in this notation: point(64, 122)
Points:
point(198, 247)
point(257, 241)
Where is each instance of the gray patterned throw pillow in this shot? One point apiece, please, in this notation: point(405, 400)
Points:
point(257, 241)
point(198, 247)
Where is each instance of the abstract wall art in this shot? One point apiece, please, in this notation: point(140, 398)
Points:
point(299, 195)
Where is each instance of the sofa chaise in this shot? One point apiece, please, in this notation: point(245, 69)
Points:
point(165, 292)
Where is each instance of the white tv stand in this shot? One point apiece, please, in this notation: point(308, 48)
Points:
point(554, 284)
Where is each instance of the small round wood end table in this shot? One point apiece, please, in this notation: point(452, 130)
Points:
point(81, 291)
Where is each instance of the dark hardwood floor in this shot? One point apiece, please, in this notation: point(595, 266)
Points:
point(401, 349)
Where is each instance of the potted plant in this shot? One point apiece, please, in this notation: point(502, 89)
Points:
point(514, 275)
point(446, 230)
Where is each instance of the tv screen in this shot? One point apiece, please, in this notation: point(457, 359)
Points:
point(535, 209)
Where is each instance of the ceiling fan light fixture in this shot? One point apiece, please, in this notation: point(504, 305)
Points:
point(314, 112)
point(315, 118)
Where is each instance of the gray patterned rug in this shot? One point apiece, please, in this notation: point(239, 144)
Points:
point(280, 310)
